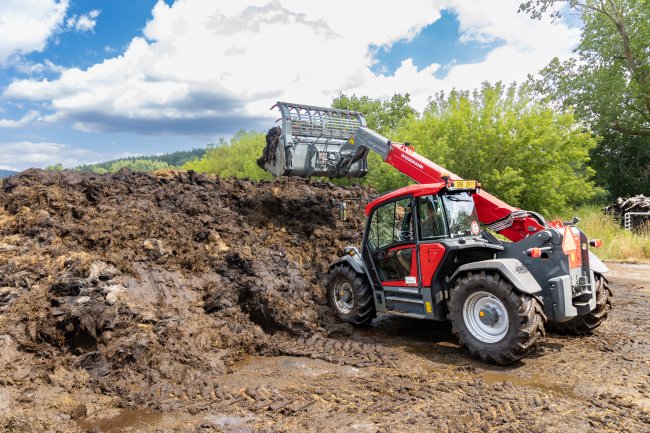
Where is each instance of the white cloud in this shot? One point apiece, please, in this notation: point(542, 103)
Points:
point(20, 155)
point(83, 23)
point(206, 67)
point(30, 68)
point(523, 46)
point(24, 121)
point(26, 25)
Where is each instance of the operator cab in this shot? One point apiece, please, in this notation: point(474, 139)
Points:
point(435, 211)
point(409, 233)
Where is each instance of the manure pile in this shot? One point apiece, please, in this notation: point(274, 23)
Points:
point(136, 289)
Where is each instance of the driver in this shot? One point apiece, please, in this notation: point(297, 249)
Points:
point(403, 224)
point(430, 221)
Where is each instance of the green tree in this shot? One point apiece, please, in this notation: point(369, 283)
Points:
point(385, 117)
point(236, 157)
point(174, 159)
point(522, 151)
point(608, 86)
point(55, 167)
point(139, 165)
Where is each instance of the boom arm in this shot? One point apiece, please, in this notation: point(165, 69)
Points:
point(507, 220)
point(320, 141)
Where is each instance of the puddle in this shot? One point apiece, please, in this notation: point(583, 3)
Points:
point(243, 362)
point(253, 362)
point(433, 350)
point(228, 420)
point(534, 382)
point(124, 422)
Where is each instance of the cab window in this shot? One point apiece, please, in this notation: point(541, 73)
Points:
point(431, 218)
point(391, 223)
point(461, 213)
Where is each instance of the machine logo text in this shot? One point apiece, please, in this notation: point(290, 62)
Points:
point(412, 161)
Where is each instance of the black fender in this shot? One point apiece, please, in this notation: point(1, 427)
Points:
point(510, 269)
point(352, 258)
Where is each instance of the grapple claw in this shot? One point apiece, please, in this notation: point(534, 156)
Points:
point(314, 141)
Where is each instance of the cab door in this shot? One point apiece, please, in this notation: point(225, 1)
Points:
point(392, 251)
point(432, 230)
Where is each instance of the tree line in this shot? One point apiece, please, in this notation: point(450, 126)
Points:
point(577, 132)
point(7, 173)
point(139, 163)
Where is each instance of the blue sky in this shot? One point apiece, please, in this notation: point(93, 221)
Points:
point(438, 42)
point(89, 80)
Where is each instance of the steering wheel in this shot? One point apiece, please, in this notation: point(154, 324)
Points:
point(405, 235)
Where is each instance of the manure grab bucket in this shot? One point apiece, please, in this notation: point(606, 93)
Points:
point(314, 141)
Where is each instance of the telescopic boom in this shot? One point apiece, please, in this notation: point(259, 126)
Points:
point(318, 141)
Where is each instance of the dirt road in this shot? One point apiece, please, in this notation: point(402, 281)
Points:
point(188, 304)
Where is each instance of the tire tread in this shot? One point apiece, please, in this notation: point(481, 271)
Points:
point(364, 310)
point(530, 315)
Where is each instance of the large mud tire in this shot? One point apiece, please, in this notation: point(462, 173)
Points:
point(586, 324)
point(525, 318)
point(359, 308)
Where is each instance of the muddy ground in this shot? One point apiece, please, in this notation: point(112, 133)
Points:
point(180, 302)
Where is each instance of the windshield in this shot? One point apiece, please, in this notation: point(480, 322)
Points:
point(461, 215)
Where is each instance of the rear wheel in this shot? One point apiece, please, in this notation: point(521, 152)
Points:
point(585, 324)
point(493, 320)
point(350, 294)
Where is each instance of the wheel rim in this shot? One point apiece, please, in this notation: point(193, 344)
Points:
point(343, 297)
point(486, 317)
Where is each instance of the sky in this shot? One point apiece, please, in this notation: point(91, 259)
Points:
point(85, 81)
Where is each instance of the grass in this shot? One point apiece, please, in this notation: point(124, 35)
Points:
point(618, 244)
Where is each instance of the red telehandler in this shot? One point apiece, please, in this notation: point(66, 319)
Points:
point(425, 255)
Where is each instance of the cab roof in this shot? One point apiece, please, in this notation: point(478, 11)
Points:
point(411, 190)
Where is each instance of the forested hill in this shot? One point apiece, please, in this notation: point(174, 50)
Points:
point(7, 173)
point(175, 159)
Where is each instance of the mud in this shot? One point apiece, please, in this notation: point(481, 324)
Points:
point(180, 302)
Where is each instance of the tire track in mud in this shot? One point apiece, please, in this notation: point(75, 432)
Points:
point(138, 292)
point(344, 352)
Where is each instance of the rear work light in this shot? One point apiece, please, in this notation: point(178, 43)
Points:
point(534, 252)
point(596, 243)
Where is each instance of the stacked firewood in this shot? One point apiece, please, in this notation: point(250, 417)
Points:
point(623, 205)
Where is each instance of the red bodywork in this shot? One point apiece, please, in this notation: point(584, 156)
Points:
point(488, 208)
point(414, 190)
point(430, 255)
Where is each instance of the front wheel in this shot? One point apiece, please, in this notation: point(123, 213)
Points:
point(493, 320)
point(350, 294)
